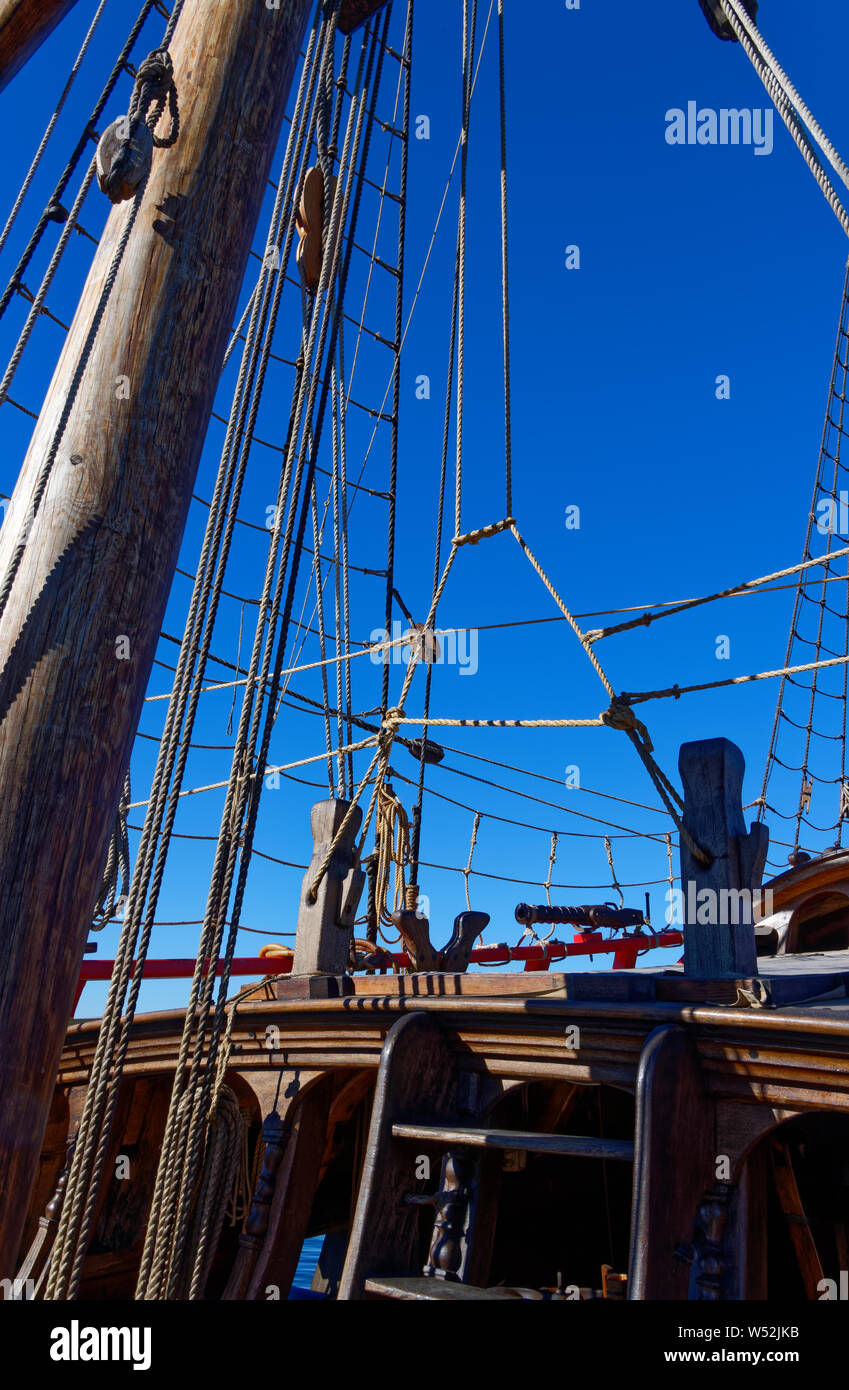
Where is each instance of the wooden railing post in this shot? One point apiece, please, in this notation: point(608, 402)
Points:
point(326, 923)
point(717, 896)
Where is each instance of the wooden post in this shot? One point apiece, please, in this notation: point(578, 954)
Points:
point(719, 936)
point(80, 629)
point(326, 926)
point(24, 25)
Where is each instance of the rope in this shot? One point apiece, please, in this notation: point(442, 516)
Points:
point(113, 1039)
point(834, 421)
point(646, 619)
point(739, 13)
point(242, 799)
point(468, 869)
point(54, 204)
point(552, 858)
point(117, 865)
point(468, 58)
point(505, 282)
point(392, 847)
point(614, 885)
point(674, 692)
point(779, 89)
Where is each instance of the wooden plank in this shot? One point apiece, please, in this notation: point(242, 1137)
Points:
point(674, 1163)
point(24, 25)
point(353, 13)
point(790, 1198)
point(561, 1145)
point(434, 1291)
point(415, 1081)
point(714, 944)
point(114, 520)
point(445, 984)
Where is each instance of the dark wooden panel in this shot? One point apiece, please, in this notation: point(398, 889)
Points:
point(674, 1163)
point(353, 13)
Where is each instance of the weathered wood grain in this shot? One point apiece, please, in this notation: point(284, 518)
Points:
point(24, 25)
point(326, 925)
point(712, 773)
point(103, 547)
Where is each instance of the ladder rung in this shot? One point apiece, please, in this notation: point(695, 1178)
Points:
point(432, 1290)
point(562, 1145)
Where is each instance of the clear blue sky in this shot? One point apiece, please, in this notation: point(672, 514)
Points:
point(696, 262)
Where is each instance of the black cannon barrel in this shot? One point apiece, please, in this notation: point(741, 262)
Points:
point(589, 915)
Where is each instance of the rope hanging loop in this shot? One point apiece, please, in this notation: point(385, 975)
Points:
point(125, 150)
point(714, 13)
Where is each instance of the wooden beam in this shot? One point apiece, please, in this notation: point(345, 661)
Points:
point(102, 549)
point(674, 1163)
point(353, 13)
point(24, 25)
point(719, 935)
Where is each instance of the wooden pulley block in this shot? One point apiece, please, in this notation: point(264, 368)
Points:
point(424, 643)
point(718, 20)
point(310, 224)
point(124, 158)
point(425, 750)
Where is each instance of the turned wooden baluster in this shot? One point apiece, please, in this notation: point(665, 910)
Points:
point(275, 1133)
point(37, 1260)
point(454, 1204)
point(710, 1259)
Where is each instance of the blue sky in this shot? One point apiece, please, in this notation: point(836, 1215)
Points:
point(695, 262)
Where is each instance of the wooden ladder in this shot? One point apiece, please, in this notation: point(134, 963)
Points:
point(420, 1102)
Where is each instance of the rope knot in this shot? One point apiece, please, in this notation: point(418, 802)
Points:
point(621, 716)
point(388, 730)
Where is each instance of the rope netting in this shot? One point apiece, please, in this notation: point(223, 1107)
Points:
point(298, 405)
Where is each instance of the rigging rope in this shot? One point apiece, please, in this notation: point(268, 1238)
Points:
point(790, 107)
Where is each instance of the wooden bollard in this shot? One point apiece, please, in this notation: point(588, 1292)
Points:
point(717, 897)
point(325, 927)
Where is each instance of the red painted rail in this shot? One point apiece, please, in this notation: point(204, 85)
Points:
point(625, 951)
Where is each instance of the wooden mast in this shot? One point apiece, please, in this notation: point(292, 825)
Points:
point(24, 25)
point(102, 550)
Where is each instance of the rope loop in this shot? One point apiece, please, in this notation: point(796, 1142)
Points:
point(154, 87)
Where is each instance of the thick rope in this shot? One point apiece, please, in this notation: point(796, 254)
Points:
point(748, 585)
point(779, 88)
point(241, 797)
point(738, 12)
point(114, 1035)
point(468, 869)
